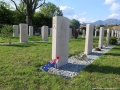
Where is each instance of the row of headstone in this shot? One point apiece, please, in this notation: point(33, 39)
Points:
point(61, 33)
point(115, 33)
point(89, 38)
point(16, 30)
point(61, 36)
point(23, 29)
point(44, 32)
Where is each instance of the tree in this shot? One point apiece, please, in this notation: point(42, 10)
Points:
point(4, 4)
point(74, 23)
point(31, 6)
point(39, 20)
point(6, 32)
point(6, 16)
point(49, 9)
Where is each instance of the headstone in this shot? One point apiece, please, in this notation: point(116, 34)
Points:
point(83, 34)
point(96, 32)
point(119, 35)
point(15, 32)
point(108, 37)
point(112, 33)
point(115, 33)
point(50, 31)
point(70, 33)
point(89, 39)
point(45, 33)
point(101, 36)
point(30, 30)
point(23, 32)
point(60, 39)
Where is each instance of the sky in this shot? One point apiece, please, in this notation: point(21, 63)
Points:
point(87, 10)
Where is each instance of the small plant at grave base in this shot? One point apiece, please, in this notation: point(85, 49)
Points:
point(113, 40)
point(97, 49)
point(80, 56)
point(94, 46)
point(6, 32)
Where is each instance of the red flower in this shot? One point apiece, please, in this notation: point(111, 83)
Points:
point(58, 57)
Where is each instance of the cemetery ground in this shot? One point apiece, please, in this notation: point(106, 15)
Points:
point(20, 67)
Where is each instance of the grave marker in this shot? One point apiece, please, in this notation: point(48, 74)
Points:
point(89, 39)
point(23, 32)
point(60, 39)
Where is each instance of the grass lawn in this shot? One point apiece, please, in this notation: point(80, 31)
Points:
point(20, 63)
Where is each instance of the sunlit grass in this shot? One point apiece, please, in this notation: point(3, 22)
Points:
point(20, 63)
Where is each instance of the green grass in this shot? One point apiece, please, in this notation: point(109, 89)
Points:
point(30, 38)
point(20, 63)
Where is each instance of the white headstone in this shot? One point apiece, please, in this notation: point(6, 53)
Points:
point(89, 39)
point(44, 33)
point(115, 33)
point(70, 33)
point(119, 36)
point(83, 34)
point(60, 39)
point(112, 33)
point(50, 31)
point(101, 36)
point(96, 31)
point(30, 30)
point(108, 37)
point(15, 32)
point(23, 32)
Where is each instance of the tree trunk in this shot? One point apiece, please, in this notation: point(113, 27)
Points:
point(29, 20)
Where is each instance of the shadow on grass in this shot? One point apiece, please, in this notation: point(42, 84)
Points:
point(116, 48)
point(112, 54)
point(20, 45)
point(44, 42)
point(103, 69)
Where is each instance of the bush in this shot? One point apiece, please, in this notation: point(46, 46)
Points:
point(6, 32)
point(113, 40)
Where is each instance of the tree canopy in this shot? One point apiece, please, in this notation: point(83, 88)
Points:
point(31, 6)
point(74, 23)
point(49, 9)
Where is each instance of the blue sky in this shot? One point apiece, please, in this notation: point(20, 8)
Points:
point(88, 10)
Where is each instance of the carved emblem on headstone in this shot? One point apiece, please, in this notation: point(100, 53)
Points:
point(63, 26)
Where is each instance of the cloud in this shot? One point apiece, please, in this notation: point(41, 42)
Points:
point(115, 7)
point(67, 10)
point(83, 13)
point(114, 15)
point(82, 19)
point(109, 1)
